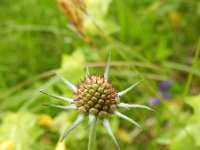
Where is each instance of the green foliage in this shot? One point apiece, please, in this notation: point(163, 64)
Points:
point(149, 39)
point(23, 125)
point(99, 9)
point(189, 135)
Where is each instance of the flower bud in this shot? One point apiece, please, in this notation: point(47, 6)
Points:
point(102, 114)
point(93, 111)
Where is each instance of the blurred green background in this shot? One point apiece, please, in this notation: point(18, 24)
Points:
point(155, 40)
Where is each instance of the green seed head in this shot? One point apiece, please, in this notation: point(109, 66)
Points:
point(97, 96)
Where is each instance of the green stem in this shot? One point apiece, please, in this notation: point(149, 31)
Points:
point(190, 76)
point(92, 135)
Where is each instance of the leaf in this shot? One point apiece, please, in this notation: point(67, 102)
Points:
point(98, 10)
point(194, 102)
point(72, 66)
point(189, 135)
point(20, 129)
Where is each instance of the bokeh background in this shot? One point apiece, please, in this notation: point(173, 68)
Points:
point(155, 40)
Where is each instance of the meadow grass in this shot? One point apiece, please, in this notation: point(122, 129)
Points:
point(152, 40)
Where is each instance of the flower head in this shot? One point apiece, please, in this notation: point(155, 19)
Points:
point(166, 95)
point(154, 101)
point(97, 98)
point(163, 85)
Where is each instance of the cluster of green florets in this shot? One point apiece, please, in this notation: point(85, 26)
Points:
point(97, 96)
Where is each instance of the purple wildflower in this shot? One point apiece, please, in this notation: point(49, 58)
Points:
point(153, 101)
point(166, 95)
point(163, 85)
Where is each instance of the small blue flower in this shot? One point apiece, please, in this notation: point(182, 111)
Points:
point(166, 95)
point(153, 101)
point(163, 85)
